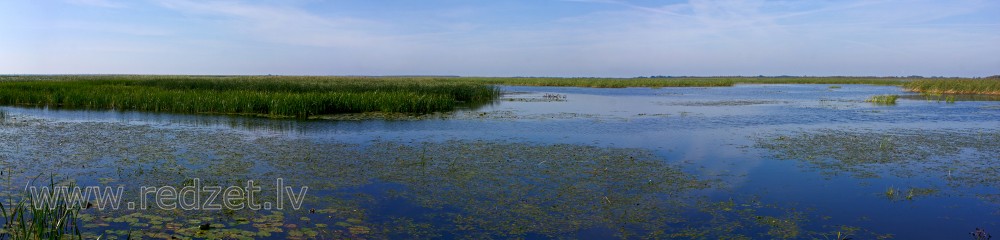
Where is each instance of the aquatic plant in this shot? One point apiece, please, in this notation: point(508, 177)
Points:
point(309, 96)
point(980, 234)
point(839, 235)
point(953, 98)
point(883, 99)
point(556, 97)
point(962, 158)
point(860, 151)
point(300, 97)
point(891, 192)
point(462, 188)
point(955, 86)
point(30, 220)
point(897, 194)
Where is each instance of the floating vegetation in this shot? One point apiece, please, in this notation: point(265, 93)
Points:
point(896, 194)
point(555, 97)
point(722, 103)
point(458, 188)
point(547, 97)
point(961, 158)
point(517, 116)
point(980, 234)
point(883, 99)
point(731, 218)
point(891, 192)
point(834, 87)
point(857, 151)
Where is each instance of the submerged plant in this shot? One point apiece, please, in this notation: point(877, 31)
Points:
point(980, 234)
point(554, 96)
point(891, 192)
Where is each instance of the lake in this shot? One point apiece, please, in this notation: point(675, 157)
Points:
point(776, 161)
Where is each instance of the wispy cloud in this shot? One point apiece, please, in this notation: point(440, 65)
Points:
point(97, 3)
point(280, 23)
point(518, 37)
point(788, 37)
point(112, 27)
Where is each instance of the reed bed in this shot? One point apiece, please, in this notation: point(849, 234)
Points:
point(255, 95)
point(822, 80)
point(883, 99)
point(955, 86)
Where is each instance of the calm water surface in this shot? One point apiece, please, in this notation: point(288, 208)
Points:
point(755, 161)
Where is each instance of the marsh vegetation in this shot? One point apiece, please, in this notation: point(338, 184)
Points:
point(300, 97)
point(889, 99)
point(745, 162)
point(956, 86)
point(313, 96)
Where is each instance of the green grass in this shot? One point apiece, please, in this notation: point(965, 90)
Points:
point(255, 95)
point(955, 86)
point(883, 99)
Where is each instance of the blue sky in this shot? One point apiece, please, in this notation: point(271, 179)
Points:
point(600, 38)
